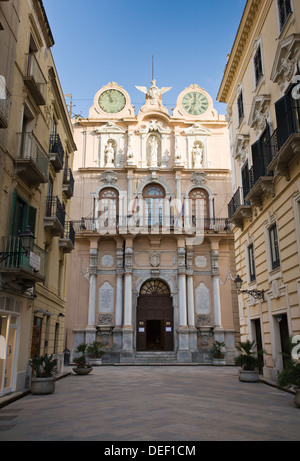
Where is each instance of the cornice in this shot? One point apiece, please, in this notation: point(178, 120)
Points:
point(247, 23)
point(44, 23)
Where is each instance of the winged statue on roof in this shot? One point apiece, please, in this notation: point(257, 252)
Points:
point(153, 92)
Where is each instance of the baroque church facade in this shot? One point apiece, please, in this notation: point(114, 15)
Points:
point(153, 246)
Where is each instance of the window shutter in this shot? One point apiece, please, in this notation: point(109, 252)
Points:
point(266, 148)
point(284, 119)
point(30, 218)
point(245, 180)
point(12, 222)
point(256, 166)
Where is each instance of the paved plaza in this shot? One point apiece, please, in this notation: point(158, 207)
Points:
point(153, 403)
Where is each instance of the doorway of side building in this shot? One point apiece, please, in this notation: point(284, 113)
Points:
point(9, 325)
point(155, 318)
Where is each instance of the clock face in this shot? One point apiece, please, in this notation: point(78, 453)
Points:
point(112, 101)
point(195, 103)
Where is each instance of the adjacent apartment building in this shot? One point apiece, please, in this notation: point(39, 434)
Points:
point(36, 185)
point(261, 88)
point(153, 243)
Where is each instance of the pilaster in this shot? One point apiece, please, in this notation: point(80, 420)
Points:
point(91, 327)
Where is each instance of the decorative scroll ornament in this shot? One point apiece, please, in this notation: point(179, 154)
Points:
point(109, 177)
point(199, 178)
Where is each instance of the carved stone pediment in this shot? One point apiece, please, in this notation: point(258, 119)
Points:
point(286, 59)
point(110, 128)
point(260, 112)
point(197, 130)
point(241, 148)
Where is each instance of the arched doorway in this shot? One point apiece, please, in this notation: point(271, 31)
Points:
point(155, 318)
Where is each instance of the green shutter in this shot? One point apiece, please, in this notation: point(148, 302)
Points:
point(30, 218)
point(12, 221)
point(22, 217)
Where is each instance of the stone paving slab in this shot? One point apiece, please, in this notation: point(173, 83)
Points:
point(154, 404)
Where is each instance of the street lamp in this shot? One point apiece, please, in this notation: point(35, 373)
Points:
point(27, 240)
point(257, 294)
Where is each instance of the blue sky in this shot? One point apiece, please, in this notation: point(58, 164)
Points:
point(99, 41)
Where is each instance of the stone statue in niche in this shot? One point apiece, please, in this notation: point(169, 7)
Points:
point(198, 156)
point(177, 152)
point(109, 155)
point(153, 151)
point(129, 151)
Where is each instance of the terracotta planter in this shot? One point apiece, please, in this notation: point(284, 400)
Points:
point(297, 397)
point(42, 386)
point(82, 371)
point(247, 376)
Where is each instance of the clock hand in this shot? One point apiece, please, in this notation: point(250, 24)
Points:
point(194, 103)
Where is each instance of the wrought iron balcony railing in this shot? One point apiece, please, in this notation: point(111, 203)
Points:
point(286, 138)
point(56, 152)
point(33, 263)
point(55, 216)
point(67, 241)
point(32, 163)
point(68, 183)
point(237, 201)
point(140, 223)
point(35, 80)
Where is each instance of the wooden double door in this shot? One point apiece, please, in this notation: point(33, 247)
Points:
point(155, 323)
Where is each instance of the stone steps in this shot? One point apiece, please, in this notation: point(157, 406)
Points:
point(155, 357)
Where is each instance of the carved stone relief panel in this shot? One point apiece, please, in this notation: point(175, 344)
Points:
point(202, 299)
point(106, 298)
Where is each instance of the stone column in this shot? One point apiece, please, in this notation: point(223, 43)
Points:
point(215, 272)
point(117, 332)
point(178, 185)
point(190, 300)
point(183, 353)
point(182, 300)
point(129, 188)
point(91, 327)
point(127, 354)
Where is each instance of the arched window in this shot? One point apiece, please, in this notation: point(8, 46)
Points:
point(199, 205)
point(154, 196)
point(108, 208)
point(156, 287)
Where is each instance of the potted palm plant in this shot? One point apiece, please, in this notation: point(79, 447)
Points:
point(43, 379)
point(248, 361)
point(83, 367)
point(217, 353)
point(95, 352)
